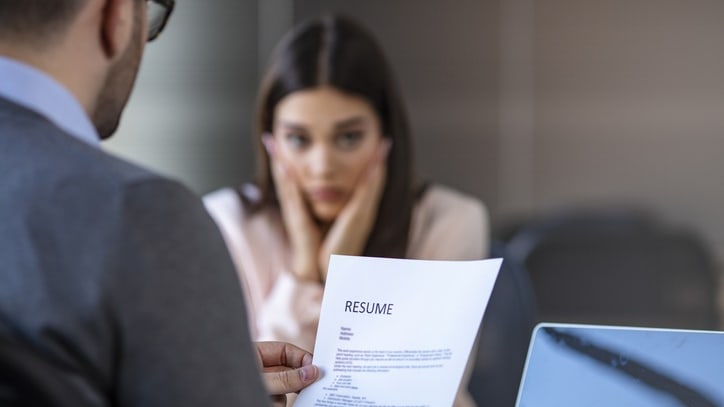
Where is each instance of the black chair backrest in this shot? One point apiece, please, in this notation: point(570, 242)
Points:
point(504, 336)
point(593, 270)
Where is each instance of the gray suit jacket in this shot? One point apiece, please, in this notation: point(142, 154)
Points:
point(116, 277)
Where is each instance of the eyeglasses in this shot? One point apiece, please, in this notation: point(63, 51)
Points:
point(158, 13)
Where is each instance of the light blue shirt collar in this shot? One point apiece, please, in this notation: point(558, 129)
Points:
point(35, 90)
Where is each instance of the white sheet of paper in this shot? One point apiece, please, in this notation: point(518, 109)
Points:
point(396, 332)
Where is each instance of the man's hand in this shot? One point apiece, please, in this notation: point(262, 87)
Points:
point(285, 369)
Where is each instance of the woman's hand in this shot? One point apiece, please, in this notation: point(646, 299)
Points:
point(304, 235)
point(350, 231)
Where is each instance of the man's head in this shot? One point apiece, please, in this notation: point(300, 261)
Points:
point(93, 47)
point(36, 22)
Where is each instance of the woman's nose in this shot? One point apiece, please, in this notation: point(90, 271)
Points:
point(322, 161)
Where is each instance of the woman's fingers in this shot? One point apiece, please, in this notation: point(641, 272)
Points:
point(283, 181)
point(369, 190)
point(350, 231)
point(288, 194)
point(303, 233)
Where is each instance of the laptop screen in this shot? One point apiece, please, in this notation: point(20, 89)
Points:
point(584, 365)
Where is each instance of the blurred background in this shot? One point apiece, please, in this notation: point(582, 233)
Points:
point(539, 108)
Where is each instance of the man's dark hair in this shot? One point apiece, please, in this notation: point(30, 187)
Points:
point(36, 20)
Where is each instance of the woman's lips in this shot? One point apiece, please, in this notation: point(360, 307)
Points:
point(325, 194)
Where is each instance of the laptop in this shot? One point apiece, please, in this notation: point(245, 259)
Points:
point(587, 365)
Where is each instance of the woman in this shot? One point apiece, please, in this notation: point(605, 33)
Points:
point(334, 177)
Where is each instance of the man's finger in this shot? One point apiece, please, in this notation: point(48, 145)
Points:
point(290, 381)
point(282, 354)
point(279, 400)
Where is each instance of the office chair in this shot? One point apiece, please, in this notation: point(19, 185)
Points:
point(504, 336)
point(595, 267)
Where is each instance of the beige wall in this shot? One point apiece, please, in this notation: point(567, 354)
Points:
point(629, 107)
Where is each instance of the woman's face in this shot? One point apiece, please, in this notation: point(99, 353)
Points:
point(328, 139)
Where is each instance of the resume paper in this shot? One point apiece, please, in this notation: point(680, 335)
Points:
point(397, 333)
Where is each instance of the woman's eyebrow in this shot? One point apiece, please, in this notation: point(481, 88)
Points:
point(292, 126)
point(351, 122)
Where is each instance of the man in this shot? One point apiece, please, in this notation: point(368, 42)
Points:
point(115, 286)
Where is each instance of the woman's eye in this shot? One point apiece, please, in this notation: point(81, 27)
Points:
point(297, 141)
point(349, 139)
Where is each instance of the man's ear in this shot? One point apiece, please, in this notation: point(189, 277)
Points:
point(117, 26)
